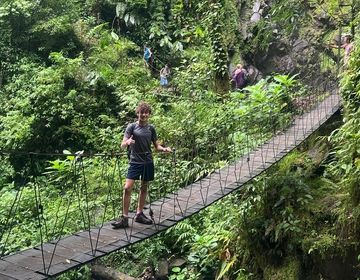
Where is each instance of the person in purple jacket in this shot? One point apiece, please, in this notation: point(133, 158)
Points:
point(238, 76)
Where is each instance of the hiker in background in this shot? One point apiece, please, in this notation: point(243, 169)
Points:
point(148, 55)
point(138, 138)
point(348, 47)
point(164, 73)
point(238, 76)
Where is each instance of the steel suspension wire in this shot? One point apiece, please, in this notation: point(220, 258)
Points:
point(193, 149)
point(111, 178)
point(61, 230)
point(176, 199)
point(110, 182)
point(187, 156)
point(8, 221)
point(11, 214)
point(39, 209)
point(84, 189)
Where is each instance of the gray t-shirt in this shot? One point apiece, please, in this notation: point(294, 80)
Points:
point(144, 136)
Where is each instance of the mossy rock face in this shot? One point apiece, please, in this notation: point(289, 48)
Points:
point(342, 266)
point(289, 270)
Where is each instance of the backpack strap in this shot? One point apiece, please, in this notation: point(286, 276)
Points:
point(152, 129)
point(131, 127)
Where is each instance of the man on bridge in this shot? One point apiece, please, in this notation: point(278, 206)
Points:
point(138, 138)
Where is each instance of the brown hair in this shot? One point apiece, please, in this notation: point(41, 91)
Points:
point(347, 38)
point(143, 107)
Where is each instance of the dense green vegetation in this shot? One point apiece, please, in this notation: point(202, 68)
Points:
point(71, 74)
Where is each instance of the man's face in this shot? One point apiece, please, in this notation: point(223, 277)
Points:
point(143, 116)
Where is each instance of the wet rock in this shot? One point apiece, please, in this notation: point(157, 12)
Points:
point(178, 262)
point(148, 274)
point(253, 74)
point(108, 273)
point(286, 64)
point(163, 270)
point(341, 266)
point(300, 45)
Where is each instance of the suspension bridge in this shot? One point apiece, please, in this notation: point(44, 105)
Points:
point(61, 251)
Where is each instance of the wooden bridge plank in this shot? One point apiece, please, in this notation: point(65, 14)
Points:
point(60, 251)
point(98, 234)
point(35, 259)
point(7, 277)
point(11, 271)
point(180, 205)
point(163, 213)
point(116, 238)
point(74, 257)
point(80, 248)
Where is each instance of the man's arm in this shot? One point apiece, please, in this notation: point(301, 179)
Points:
point(160, 148)
point(334, 46)
point(127, 141)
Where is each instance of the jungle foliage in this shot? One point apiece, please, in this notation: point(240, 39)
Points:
point(71, 74)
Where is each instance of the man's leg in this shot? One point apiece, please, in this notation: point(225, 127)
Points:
point(129, 184)
point(147, 175)
point(123, 221)
point(142, 196)
point(140, 216)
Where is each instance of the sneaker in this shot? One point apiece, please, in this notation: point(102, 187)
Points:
point(122, 222)
point(142, 219)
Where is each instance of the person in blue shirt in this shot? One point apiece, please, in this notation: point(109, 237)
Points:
point(147, 55)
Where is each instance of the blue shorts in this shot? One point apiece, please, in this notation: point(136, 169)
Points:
point(145, 172)
point(163, 81)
